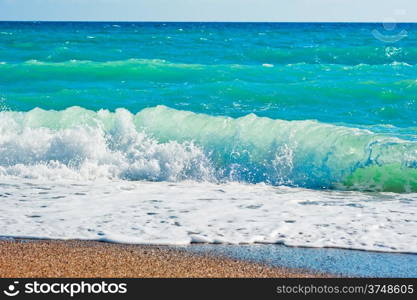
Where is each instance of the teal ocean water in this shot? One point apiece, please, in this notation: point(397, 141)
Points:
point(177, 133)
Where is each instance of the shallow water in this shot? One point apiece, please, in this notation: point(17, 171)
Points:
point(338, 262)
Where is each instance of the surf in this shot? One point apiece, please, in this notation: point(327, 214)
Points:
point(164, 144)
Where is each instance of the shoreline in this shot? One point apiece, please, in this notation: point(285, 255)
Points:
point(87, 259)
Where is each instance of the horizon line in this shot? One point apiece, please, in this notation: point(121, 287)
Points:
point(164, 21)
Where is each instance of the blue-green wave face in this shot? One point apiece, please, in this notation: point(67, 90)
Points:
point(311, 105)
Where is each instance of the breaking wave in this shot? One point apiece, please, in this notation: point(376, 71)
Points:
point(163, 144)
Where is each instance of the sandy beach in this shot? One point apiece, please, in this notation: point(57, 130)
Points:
point(84, 259)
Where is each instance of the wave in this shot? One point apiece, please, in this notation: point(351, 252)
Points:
point(322, 54)
point(316, 53)
point(157, 70)
point(163, 144)
point(139, 69)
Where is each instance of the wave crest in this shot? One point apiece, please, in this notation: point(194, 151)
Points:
point(164, 144)
point(81, 144)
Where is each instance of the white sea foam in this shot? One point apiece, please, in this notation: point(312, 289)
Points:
point(187, 212)
point(51, 146)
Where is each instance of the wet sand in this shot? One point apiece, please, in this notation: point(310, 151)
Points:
point(85, 259)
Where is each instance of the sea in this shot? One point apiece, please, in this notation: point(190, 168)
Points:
point(300, 134)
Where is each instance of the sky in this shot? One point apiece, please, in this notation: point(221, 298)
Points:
point(211, 10)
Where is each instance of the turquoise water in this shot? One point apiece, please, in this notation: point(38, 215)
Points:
point(307, 105)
